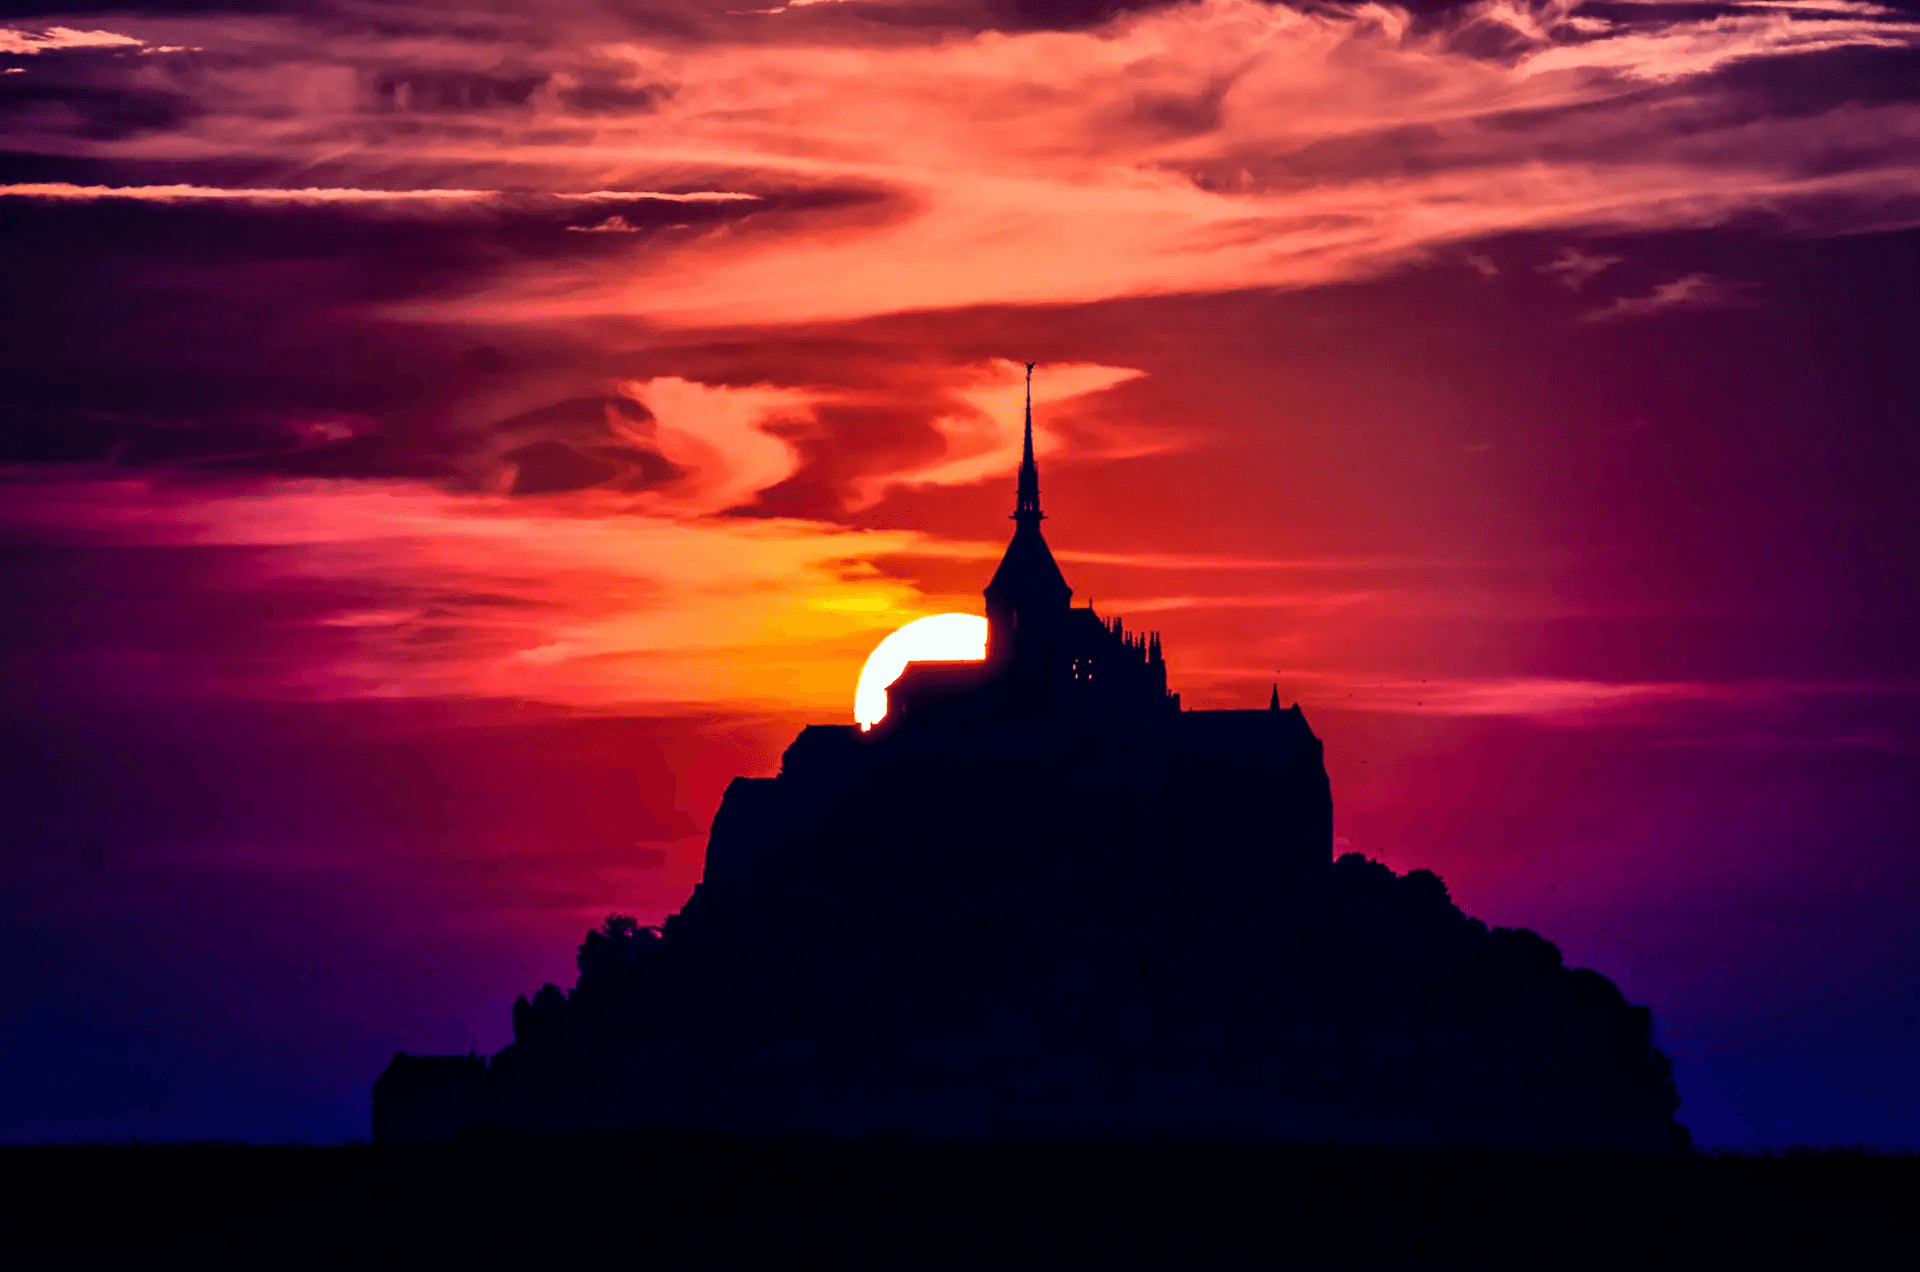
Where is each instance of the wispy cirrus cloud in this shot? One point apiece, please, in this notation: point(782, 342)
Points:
point(660, 196)
point(1852, 8)
point(612, 225)
point(57, 38)
point(264, 194)
point(1199, 147)
point(1574, 269)
point(1689, 49)
point(182, 193)
point(1693, 291)
point(1237, 145)
point(1540, 698)
point(1297, 600)
point(1560, 700)
point(981, 430)
point(598, 600)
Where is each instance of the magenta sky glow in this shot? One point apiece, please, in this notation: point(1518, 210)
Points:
point(444, 444)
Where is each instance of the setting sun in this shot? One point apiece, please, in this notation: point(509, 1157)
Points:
point(936, 638)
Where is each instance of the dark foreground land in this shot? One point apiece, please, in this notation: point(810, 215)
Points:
point(659, 1201)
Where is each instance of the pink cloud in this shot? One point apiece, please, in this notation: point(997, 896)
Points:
point(1207, 561)
point(612, 225)
point(718, 438)
point(1694, 291)
point(1685, 50)
point(59, 38)
point(1574, 269)
point(690, 196)
point(1072, 167)
point(1303, 600)
point(590, 600)
point(192, 193)
point(1202, 147)
point(312, 194)
point(1551, 699)
point(981, 433)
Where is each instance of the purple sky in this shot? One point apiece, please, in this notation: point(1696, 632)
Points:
point(444, 444)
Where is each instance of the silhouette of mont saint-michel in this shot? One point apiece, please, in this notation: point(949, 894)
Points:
point(1041, 900)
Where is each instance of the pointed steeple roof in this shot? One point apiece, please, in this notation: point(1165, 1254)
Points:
point(1027, 502)
point(1028, 575)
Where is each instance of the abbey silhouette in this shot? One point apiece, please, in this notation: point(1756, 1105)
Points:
point(1040, 899)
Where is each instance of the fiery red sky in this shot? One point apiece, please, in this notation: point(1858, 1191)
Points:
point(445, 442)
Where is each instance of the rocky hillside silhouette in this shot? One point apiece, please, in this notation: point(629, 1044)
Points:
point(1041, 899)
point(1082, 935)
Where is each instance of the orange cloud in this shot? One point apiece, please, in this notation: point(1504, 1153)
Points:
point(1209, 146)
point(1174, 151)
point(1191, 148)
point(58, 38)
point(1552, 699)
point(312, 194)
point(1283, 600)
point(590, 601)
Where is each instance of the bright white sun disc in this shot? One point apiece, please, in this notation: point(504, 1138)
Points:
point(936, 638)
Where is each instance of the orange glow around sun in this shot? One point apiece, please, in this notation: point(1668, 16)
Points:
point(936, 638)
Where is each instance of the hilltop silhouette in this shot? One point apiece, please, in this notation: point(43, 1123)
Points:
point(1042, 900)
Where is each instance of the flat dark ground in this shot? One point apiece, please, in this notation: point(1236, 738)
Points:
point(675, 1201)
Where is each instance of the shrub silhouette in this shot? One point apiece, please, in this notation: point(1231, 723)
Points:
point(1379, 1012)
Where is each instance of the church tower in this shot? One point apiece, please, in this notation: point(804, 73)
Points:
point(1028, 599)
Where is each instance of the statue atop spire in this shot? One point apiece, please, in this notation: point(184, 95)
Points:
point(1028, 503)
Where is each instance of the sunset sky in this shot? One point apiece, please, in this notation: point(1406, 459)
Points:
point(445, 442)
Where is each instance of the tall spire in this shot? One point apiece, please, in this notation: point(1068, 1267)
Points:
point(1028, 505)
point(1028, 592)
